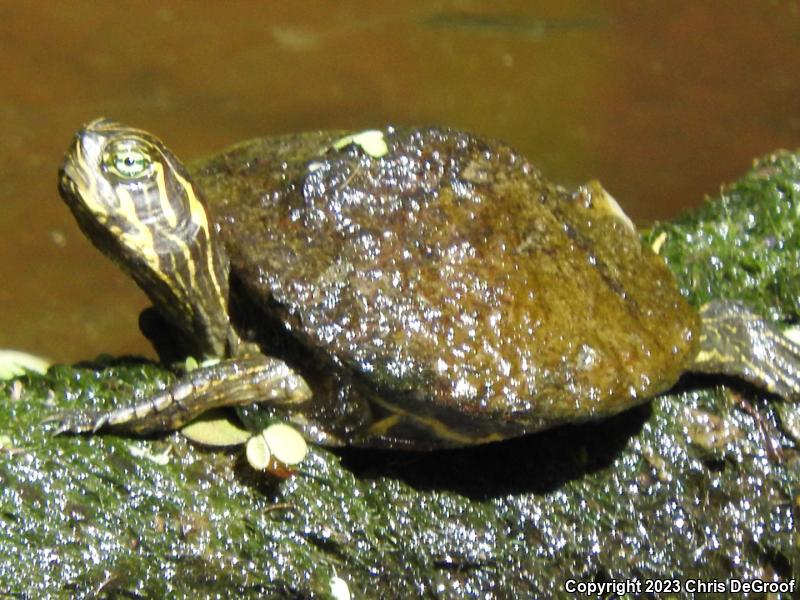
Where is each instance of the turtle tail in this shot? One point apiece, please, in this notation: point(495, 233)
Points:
point(735, 341)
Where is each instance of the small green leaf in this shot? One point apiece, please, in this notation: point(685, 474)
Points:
point(286, 443)
point(339, 589)
point(216, 428)
point(257, 452)
point(370, 141)
point(14, 363)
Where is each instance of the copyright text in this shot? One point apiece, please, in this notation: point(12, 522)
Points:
point(620, 587)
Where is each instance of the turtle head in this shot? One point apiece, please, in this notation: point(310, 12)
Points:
point(136, 203)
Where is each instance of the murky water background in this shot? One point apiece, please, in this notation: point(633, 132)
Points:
point(660, 101)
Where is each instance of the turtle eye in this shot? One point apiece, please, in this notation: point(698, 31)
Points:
point(127, 162)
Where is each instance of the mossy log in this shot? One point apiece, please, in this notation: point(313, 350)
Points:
point(703, 483)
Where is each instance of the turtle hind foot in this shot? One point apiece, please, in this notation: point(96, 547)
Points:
point(735, 341)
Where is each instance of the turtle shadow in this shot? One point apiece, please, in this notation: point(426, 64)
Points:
point(537, 463)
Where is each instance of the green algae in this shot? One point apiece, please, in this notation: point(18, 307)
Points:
point(703, 483)
point(745, 244)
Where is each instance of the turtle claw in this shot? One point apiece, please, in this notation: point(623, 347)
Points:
point(77, 421)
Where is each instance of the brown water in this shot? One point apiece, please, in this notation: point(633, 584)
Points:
point(661, 101)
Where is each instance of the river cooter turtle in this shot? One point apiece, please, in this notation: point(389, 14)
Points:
point(397, 288)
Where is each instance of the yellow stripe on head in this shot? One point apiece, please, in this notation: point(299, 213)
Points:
point(198, 215)
point(132, 198)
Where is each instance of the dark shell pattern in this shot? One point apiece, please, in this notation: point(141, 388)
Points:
point(447, 273)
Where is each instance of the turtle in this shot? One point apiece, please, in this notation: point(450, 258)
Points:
point(401, 288)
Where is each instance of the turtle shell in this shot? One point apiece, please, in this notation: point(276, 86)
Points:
point(445, 272)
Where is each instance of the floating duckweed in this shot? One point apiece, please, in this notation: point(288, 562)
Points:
point(286, 443)
point(14, 363)
point(278, 446)
point(339, 589)
point(257, 452)
point(370, 141)
point(192, 364)
point(215, 428)
point(658, 243)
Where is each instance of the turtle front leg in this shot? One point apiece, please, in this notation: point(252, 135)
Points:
point(228, 383)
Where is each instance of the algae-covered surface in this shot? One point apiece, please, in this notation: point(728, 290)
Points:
point(701, 484)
